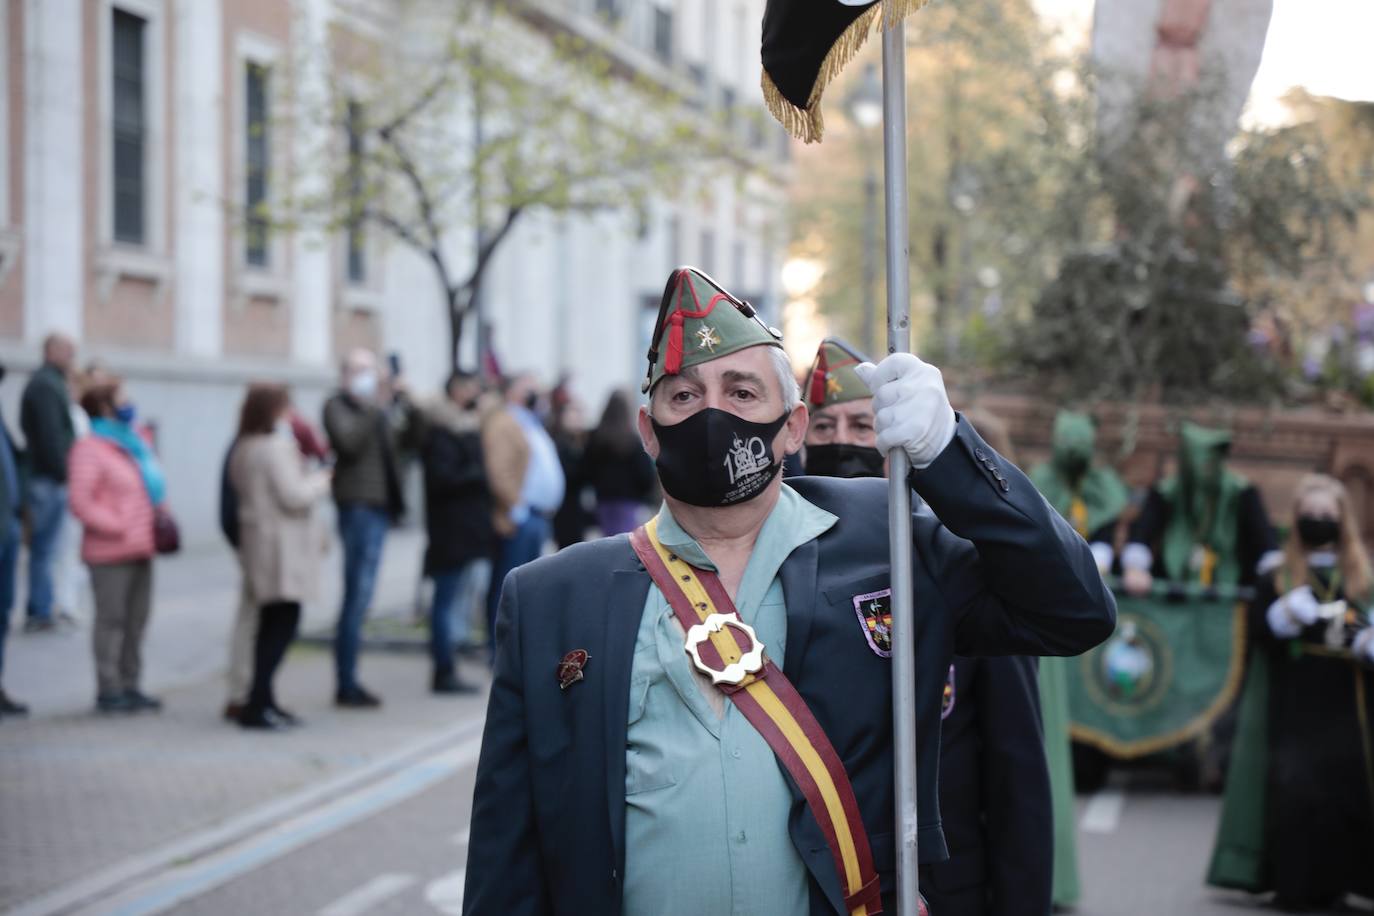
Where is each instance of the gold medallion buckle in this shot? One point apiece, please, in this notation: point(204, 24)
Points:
point(749, 663)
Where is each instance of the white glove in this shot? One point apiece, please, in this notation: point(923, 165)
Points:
point(1363, 645)
point(1281, 623)
point(910, 407)
point(1302, 605)
point(1103, 554)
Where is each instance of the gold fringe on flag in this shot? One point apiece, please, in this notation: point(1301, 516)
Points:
point(807, 124)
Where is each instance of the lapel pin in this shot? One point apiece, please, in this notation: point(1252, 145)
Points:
point(570, 668)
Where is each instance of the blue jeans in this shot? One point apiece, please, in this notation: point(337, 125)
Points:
point(47, 500)
point(362, 529)
point(517, 550)
point(450, 615)
point(9, 560)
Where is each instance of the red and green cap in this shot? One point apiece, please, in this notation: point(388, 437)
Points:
point(832, 379)
point(698, 321)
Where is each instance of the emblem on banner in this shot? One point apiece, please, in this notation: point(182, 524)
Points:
point(875, 617)
point(570, 668)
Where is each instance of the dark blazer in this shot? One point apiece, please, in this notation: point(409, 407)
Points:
point(994, 795)
point(1003, 574)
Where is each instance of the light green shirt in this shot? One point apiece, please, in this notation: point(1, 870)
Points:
point(706, 802)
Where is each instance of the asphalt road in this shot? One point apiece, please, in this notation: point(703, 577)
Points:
point(399, 847)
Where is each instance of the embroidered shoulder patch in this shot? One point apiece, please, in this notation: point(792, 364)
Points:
point(875, 617)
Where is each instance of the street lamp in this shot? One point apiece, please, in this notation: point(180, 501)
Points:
point(864, 108)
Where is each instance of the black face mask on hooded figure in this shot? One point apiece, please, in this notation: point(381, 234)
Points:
point(714, 458)
point(836, 459)
point(1318, 532)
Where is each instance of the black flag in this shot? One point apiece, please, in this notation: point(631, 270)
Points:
point(806, 43)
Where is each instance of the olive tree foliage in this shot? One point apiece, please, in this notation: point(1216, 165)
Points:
point(1200, 242)
point(466, 119)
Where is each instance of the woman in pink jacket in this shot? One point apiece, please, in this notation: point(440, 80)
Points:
point(114, 481)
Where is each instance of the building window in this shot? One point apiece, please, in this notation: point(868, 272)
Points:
point(674, 239)
point(727, 106)
point(663, 34)
point(708, 250)
point(357, 252)
point(609, 11)
point(130, 128)
point(257, 164)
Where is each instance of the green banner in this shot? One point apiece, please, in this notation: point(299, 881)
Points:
point(1173, 665)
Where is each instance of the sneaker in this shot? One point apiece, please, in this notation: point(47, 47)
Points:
point(261, 720)
point(141, 702)
point(8, 706)
point(448, 683)
point(357, 698)
point(114, 703)
point(39, 625)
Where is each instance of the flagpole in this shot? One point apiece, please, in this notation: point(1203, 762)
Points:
point(899, 492)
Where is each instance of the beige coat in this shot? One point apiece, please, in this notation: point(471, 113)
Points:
point(506, 454)
point(280, 543)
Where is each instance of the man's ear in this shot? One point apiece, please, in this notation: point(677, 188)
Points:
point(794, 431)
point(646, 432)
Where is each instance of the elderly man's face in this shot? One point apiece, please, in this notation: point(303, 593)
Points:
point(744, 383)
point(850, 423)
point(61, 352)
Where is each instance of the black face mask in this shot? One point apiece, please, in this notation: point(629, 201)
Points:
point(714, 458)
point(1318, 532)
point(844, 460)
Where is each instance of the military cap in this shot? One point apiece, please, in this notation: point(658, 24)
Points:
point(832, 379)
point(698, 321)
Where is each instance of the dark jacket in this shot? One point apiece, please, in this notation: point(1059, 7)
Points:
point(994, 795)
point(46, 421)
point(366, 441)
point(1003, 574)
point(10, 502)
point(1254, 534)
point(457, 499)
point(618, 474)
point(228, 500)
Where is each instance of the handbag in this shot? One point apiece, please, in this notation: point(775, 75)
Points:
point(166, 534)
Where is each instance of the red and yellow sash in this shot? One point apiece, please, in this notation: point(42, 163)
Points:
point(773, 706)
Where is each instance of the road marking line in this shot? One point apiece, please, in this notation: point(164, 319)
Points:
point(446, 894)
point(188, 881)
point(359, 901)
point(1103, 812)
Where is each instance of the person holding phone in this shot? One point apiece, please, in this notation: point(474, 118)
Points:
point(367, 423)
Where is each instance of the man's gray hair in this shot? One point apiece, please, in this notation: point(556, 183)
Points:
point(787, 379)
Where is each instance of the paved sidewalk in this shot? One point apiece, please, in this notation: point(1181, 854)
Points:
point(81, 793)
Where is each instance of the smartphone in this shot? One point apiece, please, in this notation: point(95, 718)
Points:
point(393, 360)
